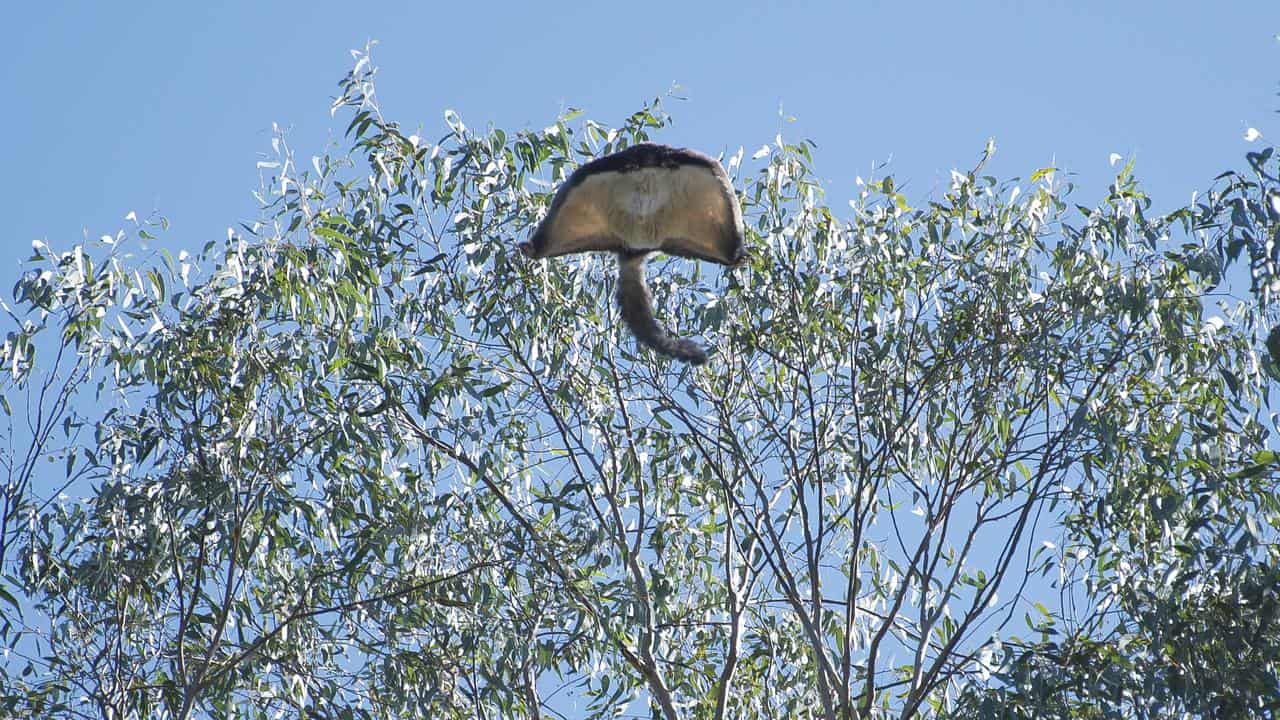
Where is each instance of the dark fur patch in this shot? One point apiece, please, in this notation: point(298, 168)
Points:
point(644, 155)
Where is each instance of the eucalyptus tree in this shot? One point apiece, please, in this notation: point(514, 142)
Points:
point(990, 451)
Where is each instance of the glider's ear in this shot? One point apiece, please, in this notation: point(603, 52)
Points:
point(578, 220)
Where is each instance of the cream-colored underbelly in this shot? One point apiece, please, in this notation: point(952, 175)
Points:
point(643, 203)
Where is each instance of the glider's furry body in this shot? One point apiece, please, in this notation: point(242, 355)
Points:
point(644, 199)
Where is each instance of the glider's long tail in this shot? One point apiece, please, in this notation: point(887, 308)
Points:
point(637, 311)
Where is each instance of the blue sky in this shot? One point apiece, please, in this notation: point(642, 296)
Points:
point(145, 106)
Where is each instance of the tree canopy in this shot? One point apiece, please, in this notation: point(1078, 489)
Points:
point(985, 454)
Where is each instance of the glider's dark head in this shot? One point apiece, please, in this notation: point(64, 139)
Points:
point(535, 246)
